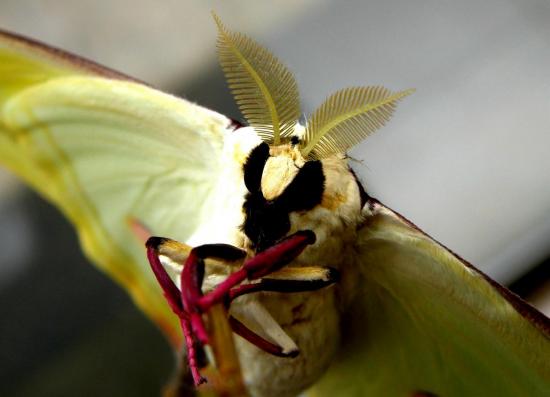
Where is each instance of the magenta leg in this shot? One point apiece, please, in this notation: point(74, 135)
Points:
point(267, 284)
point(191, 352)
point(243, 331)
point(171, 292)
point(190, 303)
point(191, 284)
point(265, 262)
point(173, 296)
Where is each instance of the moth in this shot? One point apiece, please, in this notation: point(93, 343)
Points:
point(388, 311)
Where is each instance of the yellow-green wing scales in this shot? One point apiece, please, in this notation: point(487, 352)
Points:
point(425, 321)
point(108, 151)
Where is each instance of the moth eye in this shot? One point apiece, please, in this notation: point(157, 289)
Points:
point(294, 140)
point(306, 190)
point(254, 167)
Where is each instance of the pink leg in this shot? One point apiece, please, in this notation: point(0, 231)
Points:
point(191, 352)
point(173, 296)
point(282, 285)
point(243, 331)
point(190, 303)
point(265, 262)
point(171, 292)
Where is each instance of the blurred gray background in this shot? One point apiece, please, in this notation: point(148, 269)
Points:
point(466, 157)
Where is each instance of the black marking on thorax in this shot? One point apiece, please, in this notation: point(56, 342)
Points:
point(267, 221)
point(254, 167)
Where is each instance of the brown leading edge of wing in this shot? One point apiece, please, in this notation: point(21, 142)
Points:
point(36, 49)
point(535, 317)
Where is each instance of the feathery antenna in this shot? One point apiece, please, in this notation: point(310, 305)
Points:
point(264, 89)
point(346, 118)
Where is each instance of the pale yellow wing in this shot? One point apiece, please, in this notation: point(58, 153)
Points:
point(425, 321)
point(108, 151)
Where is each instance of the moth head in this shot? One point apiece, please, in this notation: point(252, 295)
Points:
point(287, 192)
point(288, 173)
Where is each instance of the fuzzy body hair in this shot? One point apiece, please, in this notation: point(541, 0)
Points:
point(310, 319)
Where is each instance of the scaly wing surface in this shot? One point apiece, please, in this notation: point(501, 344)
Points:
point(426, 323)
point(110, 153)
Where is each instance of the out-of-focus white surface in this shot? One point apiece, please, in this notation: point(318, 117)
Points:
point(161, 42)
point(466, 157)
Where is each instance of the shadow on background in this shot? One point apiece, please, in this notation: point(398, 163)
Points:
point(67, 329)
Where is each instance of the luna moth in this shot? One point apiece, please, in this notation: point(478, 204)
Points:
point(406, 316)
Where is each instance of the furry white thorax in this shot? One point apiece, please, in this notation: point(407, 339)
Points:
point(310, 319)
